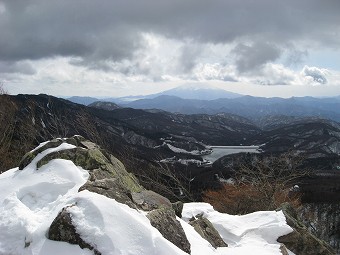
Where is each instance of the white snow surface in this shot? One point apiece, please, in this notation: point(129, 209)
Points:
point(254, 233)
point(179, 150)
point(31, 198)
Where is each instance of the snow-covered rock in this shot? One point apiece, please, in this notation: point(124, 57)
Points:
point(70, 197)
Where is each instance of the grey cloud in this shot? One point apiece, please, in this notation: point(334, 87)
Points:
point(40, 29)
point(295, 56)
point(21, 67)
point(188, 58)
point(250, 58)
point(316, 73)
point(111, 29)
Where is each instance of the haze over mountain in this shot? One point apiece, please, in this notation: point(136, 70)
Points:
point(247, 106)
point(83, 100)
point(187, 91)
point(198, 99)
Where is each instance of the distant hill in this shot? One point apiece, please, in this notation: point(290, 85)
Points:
point(109, 106)
point(201, 92)
point(188, 91)
point(139, 137)
point(247, 106)
point(82, 100)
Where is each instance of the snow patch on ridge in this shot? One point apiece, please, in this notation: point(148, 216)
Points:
point(30, 199)
point(254, 233)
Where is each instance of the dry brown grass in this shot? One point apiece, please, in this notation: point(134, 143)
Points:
point(246, 198)
point(263, 183)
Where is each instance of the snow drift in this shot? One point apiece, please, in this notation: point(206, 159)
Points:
point(31, 198)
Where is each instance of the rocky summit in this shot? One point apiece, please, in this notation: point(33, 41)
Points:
point(69, 196)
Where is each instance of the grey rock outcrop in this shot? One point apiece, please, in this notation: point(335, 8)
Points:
point(108, 177)
point(164, 219)
point(178, 208)
point(207, 231)
point(63, 230)
point(149, 200)
point(283, 250)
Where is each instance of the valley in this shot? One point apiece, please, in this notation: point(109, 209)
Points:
point(175, 154)
point(169, 127)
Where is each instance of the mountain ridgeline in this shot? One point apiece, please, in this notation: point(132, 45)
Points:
point(170, 153)
point(203, 99)
point(141, 138)
point(247, 106)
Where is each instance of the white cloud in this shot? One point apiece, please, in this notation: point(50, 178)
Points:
point(274, 74)
point(216, 71)
point(315, 74)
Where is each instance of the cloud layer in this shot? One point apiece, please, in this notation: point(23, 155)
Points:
point(228, 40)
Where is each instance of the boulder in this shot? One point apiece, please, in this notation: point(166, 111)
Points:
point(29, 156)
point(111, 189)
point(164, 219)
point(99, 164)
point(108, 175)
point(149, 200)
point(63, 230)
point(207, 231)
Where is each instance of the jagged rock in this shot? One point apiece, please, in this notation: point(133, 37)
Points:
point(207, 231)
point(149, 200)
point(29, 156)
point(301, 241)
point(99, 166)
point(109, 177)
point(283, 250)
point(110, 188)
point(178, 208)
point(62, 229)
point(76, 140)
point(164, 219)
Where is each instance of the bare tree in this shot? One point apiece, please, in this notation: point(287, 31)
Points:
point(3, 90)
point(264, 183)
point(7, 125)
point(165, 180)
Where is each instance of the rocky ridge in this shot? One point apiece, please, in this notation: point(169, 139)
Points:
point(108, 177)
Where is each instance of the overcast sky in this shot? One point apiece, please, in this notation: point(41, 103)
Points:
point(131, 47)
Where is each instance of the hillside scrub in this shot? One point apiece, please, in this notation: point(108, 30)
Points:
point(262, 184)
point(7, 126)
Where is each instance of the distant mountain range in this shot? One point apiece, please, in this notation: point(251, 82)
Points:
point(188, 91)
point(193, 99)
point(83, 100)
point(250, 107)
point(141, 138)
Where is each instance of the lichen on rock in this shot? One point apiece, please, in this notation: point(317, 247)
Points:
point(164, 219)
point(207, 231)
